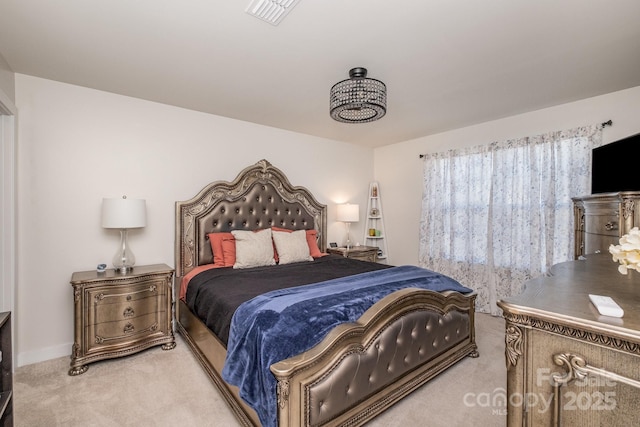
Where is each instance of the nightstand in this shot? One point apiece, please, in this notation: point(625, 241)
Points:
point(120, 314)
point(363, 253)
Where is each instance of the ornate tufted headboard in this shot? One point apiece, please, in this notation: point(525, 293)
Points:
point(260, 197)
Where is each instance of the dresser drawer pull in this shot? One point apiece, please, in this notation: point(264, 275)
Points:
point(128, 312)
point(610, 226)
point(128, 328)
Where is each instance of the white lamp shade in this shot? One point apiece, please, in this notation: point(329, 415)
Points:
point(124, 213)
point(348, 213)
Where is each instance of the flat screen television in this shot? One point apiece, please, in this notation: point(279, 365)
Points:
point(615, 166)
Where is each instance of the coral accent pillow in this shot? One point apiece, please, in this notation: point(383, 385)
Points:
point(312, 241)
point(216, 239)
point(229, 250)
point(312, 236)
point(253, 249)
point(291, 246)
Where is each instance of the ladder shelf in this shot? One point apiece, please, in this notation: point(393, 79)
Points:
point(374, 233)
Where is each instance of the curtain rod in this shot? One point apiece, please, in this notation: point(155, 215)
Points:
point(603, 125)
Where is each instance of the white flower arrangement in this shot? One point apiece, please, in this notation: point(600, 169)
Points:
point(627, 253)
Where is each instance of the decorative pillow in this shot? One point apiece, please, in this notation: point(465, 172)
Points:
point(312, 241)
point(215, 239)
point(229, 250)
point(253, 249)
point(292, 246)
point(312, 236)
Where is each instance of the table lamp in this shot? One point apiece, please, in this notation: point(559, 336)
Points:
point(123, 214)
point(348, 213)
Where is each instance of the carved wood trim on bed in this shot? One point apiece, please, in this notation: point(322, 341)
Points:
point(261, 196)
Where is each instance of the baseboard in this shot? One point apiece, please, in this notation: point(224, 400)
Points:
point(29, 357)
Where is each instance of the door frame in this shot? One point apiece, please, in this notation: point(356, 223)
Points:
point(8, 203)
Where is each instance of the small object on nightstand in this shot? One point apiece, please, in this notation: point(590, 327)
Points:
point(101, 268)
point(333, 245)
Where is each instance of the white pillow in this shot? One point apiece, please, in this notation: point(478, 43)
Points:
point(253, 249)
point(292, 247)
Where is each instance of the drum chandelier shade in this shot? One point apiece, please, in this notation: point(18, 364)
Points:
point(358, 99)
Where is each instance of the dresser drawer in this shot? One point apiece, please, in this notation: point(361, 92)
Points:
point(124, 331)
point(606, 225)
point(596, 243)
point(370, 256)
point(107, 307)
point(124, 311)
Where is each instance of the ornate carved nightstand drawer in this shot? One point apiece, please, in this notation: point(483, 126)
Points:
point(370, 256)
point(123, 331)
point(124, 302)
point(363, 253)
point(118, 314)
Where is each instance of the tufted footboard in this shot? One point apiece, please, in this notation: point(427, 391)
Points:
point(362, 368)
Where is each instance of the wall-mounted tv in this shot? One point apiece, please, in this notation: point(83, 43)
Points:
point(615, 166)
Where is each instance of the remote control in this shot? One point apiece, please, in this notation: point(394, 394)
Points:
point(606, 306)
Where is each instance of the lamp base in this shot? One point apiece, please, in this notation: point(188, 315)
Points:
point(123, 270)
point(123, 260)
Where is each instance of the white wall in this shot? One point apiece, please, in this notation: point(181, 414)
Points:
point(78, 145)
point(398, 167)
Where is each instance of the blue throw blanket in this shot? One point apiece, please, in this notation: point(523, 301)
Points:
point(283, 323)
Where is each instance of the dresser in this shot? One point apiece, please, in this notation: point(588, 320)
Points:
point(601, 219)
point(566, 364)
point(120, 314)
point(363, 253)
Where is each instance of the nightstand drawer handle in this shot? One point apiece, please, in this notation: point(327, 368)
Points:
point(128, 328)
point(610, 226)
point(128, 312)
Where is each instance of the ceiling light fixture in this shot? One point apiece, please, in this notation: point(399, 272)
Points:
point(358, 99)
point(271, 11)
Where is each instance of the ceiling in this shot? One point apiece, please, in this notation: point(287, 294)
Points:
point(446, 63)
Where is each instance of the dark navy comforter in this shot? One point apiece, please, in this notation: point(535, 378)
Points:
point(282, 323)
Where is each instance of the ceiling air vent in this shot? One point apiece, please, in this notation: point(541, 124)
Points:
point(271, 11)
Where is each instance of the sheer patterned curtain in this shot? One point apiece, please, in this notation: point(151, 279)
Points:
point(495, 216)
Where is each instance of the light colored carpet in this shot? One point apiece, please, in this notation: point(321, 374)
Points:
point(169, 388)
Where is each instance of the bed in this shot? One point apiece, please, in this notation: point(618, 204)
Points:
point(356, 370)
